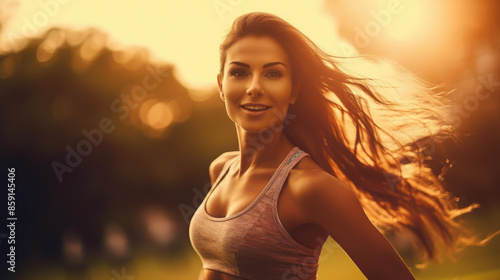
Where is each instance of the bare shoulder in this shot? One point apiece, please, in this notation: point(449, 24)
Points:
point(326, 201)
point(313, 189)
point(307, 177)
point(217, 164)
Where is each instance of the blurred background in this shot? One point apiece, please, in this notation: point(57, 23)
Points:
point(110, 115)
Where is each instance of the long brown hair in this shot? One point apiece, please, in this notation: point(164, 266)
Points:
point(370, 134)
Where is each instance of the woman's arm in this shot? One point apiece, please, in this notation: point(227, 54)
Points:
point(330, 203)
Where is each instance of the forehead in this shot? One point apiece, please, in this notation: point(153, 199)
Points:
point(258, 50)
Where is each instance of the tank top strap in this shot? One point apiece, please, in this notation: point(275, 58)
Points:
point(284, 171)
point(225, 168)
point(276, 182)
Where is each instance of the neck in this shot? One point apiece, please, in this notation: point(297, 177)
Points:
point(263, 149)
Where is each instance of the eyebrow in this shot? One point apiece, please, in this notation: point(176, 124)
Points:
point(265, 65)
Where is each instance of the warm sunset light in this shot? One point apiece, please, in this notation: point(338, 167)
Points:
point(411, 21)
point(185, 33)
point(377, 136)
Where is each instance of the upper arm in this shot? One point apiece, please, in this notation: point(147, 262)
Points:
point(331, 204)
point(217, 164)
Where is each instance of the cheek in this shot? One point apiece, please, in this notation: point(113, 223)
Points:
point(282, 91)
point(233, 90)
point(232, 93)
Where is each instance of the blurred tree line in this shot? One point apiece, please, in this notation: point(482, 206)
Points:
point(63, 83)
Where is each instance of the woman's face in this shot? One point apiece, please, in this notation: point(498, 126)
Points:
point(257, 83)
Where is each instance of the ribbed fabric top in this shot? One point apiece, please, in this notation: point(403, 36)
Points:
point(253, 244)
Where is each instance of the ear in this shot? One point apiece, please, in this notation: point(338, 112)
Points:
point(219, 84)
point(295, 92)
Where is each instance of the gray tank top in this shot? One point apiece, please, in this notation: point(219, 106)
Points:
point(253, 244)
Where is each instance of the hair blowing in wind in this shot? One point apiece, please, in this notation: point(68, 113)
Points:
point(372, 134)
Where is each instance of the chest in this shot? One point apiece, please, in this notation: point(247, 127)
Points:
point(232, 196)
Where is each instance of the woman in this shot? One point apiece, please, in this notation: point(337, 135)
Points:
point(313, 162)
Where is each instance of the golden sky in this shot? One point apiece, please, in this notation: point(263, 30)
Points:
point(186, 33)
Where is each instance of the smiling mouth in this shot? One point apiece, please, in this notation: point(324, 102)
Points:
point(255, 108)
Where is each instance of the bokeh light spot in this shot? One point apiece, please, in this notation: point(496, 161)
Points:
point(159, 116)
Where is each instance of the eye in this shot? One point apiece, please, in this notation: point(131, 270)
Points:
point(274, 74)
point(238, 73)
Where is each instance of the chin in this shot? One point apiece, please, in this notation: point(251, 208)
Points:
point(256, 128)
point(253, 129)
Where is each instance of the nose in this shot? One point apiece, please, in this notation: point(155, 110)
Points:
point(255, 88)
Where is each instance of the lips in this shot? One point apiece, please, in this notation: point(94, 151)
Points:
point(255, 107)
